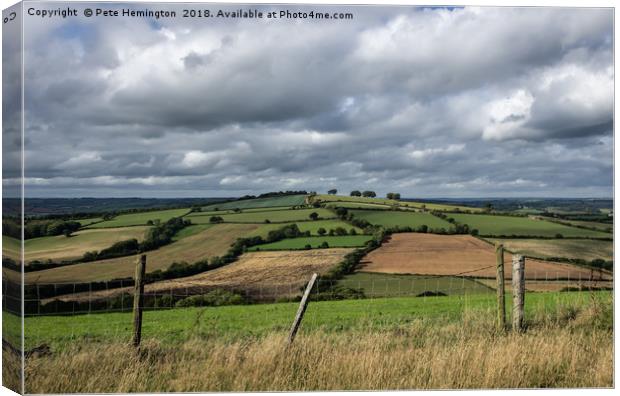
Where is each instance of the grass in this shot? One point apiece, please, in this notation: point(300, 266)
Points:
point(212, 241)
point(314, 242)
point(58, 248)
point(11, 247)
point(274, 216)
point(357, 205)
point(420, 355)
point(231, 211)
point(311, 226)
point(141, 218)
point(509, 225)
point(289, 200)
point(87, 222)
point(191, 230)
point(242, 321)
point(605, 227)
point(400, 218)
point(372, 344)
point(586, 249)
point(344, 200)
point(393, 285)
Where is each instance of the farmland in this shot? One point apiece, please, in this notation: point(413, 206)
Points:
point(395, 285)
point(569, 248)
point(426, 254)
point(341, 200)
point(511, 225)
point(58, 248)
point(290, 200)
point(141, 218)
point(315, 242)
point(275, 216)
point(420, 286)
point(10, 247)
point(89, 221)
point(213, 241)
point(399, 218)
point(605, 227)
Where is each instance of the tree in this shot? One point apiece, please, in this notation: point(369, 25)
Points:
point(396, 196)
point(216, 219)
point(356, 193)
point(321, 231)
point(390, 196)
point(340, 231)
point(314, 215)
point(333, 191)
point(369, 194)
point(342, 212)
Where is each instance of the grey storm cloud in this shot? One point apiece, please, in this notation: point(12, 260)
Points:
point(429, 102)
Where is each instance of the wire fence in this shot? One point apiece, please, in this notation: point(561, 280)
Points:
point(73, 312)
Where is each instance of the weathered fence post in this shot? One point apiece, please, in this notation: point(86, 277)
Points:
point(501, 300)
point(301, 310)
point(518, 292)
point(138, 299)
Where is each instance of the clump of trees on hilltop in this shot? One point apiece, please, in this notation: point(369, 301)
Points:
point(367, 194)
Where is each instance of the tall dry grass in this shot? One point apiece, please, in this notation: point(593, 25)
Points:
point(571, 348)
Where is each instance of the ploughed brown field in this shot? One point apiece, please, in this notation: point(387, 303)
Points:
point(261, 275)
point(429, 254)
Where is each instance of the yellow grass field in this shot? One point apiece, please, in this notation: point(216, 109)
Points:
point(214, 241)
point(264, 275)
point(471, 353)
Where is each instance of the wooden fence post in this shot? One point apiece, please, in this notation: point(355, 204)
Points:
point(501, 300)
point(518, 292)
point(138, 299)
point(301, 310)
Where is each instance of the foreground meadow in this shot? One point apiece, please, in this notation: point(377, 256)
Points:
point(568, 343)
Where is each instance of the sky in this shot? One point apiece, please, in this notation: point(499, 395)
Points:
point(465, 102)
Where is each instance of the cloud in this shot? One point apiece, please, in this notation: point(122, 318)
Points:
point(433, 102)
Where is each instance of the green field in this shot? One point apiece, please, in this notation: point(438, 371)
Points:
point(134, 219)
point(274, 216)
point(511, 225)
point(357, 205)
point(315, 242)
point(400, 218)
point(394, 285)
point(234, 322)
point(191, 230)
point(605, 227)
point(344, 200)
point(11, 247)
point(585, 249)
point(289, 200)
point(87, 222)
point(231, 211)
